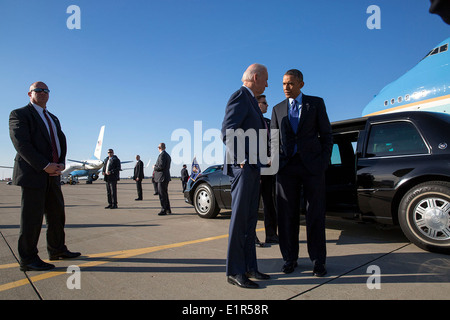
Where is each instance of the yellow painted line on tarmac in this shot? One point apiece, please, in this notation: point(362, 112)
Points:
point(104, 258)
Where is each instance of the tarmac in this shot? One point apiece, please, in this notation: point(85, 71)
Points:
point(131, 253)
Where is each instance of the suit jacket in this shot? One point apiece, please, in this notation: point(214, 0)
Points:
point(162, 167)
point(139, 170)
point(31, 140)
point(114, 169)
point(313, 138)
point(242, 112)
point(184, 175)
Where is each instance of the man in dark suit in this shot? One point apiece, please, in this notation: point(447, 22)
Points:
point(305, 150)
point(184, 177)
point(162, 177)
point(243, 121)
point(41, 154)
point(268, 185)
point(138, 176)
point(111, 172)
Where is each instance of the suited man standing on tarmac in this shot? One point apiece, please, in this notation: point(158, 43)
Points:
point(111, 172)
point(41, 154)
point(242, 114)
point(268, 186)
point(162, 177)
point(305, 149)
point(138, 176)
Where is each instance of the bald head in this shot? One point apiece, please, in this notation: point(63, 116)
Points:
point(39, 97)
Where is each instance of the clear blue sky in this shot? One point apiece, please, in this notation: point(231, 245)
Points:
point(146, 68)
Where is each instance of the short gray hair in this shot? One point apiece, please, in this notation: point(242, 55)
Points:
point(255, 68)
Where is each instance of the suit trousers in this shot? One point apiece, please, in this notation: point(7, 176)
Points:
point(111, 192)
point(241, 256)
point(37, 202)
point(164, 195)
point(290, 180)
point(139, 188)
point(268, 197)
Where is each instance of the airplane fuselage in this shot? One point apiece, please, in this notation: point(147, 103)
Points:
point(426, 87)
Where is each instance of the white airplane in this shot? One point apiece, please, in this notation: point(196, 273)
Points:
point(426, 87)
point(85, 168)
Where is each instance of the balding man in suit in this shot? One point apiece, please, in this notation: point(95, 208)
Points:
point(41, 151)
point(242, 114)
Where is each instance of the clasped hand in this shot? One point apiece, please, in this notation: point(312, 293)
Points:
point(54, 169)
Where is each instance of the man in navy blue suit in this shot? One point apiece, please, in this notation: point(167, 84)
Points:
point(240, 127)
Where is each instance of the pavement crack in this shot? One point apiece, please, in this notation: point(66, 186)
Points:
point(345, 273)
point(26, 275)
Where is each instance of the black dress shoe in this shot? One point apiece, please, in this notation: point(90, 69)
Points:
point(242, 281)
point(257, 275)
point(38, 265)
point(114, 207)
point(272, 240)
point(289, 267)
point(108, 207)
point(65, 255)
point(137, 199)
point(259, 243)
point(162, 213)
point(319, 270)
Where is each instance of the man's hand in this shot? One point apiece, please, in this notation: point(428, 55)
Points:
point(54, 169)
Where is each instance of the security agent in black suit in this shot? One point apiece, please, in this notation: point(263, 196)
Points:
point(242, 113)
point(268, 186)
point(184, 177)
point(111, 172)
point(41, 152)
point(162, 177)
point(138, 176)
point(305, 150)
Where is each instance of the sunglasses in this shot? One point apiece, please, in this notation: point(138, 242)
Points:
point(37, 90)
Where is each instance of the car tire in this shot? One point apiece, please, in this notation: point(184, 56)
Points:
point(205, 202)
point(424, 216)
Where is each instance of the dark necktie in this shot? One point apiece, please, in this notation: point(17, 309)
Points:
point(293, 116)
point(52, 138)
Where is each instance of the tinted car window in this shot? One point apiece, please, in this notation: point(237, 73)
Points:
point(336, 155)
point(395, 138)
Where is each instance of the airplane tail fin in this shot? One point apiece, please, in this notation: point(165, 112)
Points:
point(98, 146)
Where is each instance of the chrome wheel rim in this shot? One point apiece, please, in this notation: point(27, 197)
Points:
point(432, 218)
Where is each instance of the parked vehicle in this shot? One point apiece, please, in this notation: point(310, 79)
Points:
point(391, 168)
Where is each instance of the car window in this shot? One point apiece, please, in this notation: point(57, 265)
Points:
point(395, 138)
point(336, 155)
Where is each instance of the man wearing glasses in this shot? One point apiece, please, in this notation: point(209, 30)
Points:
point(41, 153)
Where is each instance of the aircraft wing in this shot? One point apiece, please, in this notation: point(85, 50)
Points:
point(77, 161)
point(122, 162)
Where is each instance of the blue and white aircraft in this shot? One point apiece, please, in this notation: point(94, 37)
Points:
point(426, 87)
point(86, 168)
